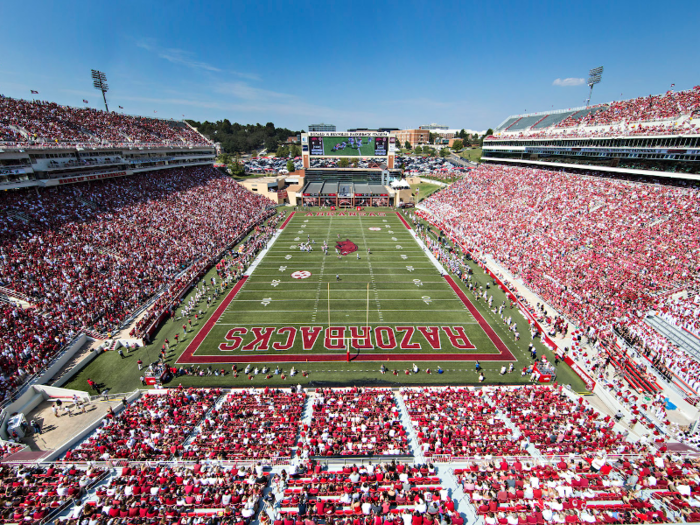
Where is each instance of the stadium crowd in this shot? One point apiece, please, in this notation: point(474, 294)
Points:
point(670, 105)
point(594, 249)
point(87, 256)
point(45, 124)
point(28, 494)
point(153, 428)
point(636, 117)
point(354, 422)
point(250, 424)
point(594, 488)
point(178, 494)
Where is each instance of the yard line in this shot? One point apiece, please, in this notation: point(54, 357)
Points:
point(371, 274)
point(323, 265)
point(344, 299)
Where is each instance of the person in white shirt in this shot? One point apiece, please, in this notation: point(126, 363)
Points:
point(354, 477)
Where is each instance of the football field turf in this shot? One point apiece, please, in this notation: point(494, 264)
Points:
point(279, 316)
point(366, 150)
point(377, 295)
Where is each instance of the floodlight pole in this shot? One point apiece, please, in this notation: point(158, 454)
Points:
point(594, 77)
point(99, 82)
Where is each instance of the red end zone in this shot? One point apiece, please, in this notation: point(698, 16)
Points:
point(356, 355)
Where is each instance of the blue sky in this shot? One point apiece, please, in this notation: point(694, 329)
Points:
point(353, 64)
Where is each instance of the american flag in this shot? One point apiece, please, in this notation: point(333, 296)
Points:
point(34, 92)
point(121, 107)
point(85, 101)
point(673, 85)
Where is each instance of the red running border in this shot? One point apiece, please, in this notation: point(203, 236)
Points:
point(485, 326)
point(288, 219)
point(403, 220)
point(204, 332)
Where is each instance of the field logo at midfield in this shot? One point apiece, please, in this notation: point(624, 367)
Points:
point(345, 247)
point(303, 274)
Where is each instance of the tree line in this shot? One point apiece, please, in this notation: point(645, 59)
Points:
point(244, 138)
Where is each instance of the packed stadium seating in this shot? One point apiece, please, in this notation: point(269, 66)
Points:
point(389, 492)
point(459, 422)
point(659, 114)
point(85, 257)
point(256, 424)
point(595, 249)
point(47, 124)
point(178, 494)
point(153, 428)
point(355, 422)
point(30, 493)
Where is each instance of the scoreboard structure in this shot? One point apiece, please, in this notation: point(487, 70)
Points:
point(377, 145)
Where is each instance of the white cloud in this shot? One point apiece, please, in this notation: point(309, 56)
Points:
point(187, 59)
point(567, 82)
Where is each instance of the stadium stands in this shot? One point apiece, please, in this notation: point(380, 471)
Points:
point(669, 113)
point(153, 428)
point(46, 124)
point(355, 422)
point(256, 424)
point(31, 494)
point(87, 257)
point(595, 249)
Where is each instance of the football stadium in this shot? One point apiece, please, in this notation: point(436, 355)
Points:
point(236, 324)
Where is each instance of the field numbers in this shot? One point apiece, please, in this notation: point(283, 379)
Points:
point(398, 247)
point(410, 268)
point(417, 282)
point(287, 257)
point(282, 268)
point(404, 256)
point(275, 282)
point(266, 301)
point(426, 299)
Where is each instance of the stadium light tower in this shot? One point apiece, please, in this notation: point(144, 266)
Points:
point(594, 77)
point(99, 81)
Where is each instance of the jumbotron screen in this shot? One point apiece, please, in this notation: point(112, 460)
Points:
point(349, 146)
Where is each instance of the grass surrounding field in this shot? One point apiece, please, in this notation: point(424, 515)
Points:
point(366, 150)
point(472, 155)
point(426, 189)
point(406, 291)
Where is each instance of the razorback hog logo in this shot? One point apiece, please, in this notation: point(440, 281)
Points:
point(345, 247)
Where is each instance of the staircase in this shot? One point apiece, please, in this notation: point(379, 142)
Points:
point(685, 341)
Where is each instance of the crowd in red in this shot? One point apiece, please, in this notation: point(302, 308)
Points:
point(588, 489)
point(355, 422)
point(459, 422)
point(381, 494)
point(28, 494)
point(624, 118)
point(250, 424)
point(149, 495)
point(153, 428)
point(595, 249)
point(88, 256)
point(670, 105)
point(43, 124)
point(683, 312)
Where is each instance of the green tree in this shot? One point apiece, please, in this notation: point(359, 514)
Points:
point(431, 137)
point(282, 151)
point(463, 134)
point(270, 143)
point(445, 152)
point(290, 166)
point(225, 159)
point(237, 168)
point(431, 152)
point(407, 145)
point(344, 162)
point(457, 145)
point(295, 151)
point(489, 132)
point(417, 149)
point(355, 163)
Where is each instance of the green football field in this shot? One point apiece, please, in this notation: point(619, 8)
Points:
point(366, 150)
point(309, 311)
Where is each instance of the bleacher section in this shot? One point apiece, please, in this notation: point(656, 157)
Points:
point(525, 123)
